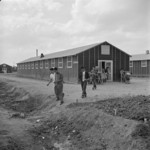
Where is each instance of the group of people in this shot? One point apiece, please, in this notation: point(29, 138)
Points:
point(57, 78)
point(125, 76)
point(94, 76)
point(98, 77)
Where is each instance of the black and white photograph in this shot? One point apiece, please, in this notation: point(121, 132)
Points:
point(74, 75)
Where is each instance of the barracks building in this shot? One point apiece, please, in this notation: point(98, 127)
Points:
point(140, 65)
point(69, 62)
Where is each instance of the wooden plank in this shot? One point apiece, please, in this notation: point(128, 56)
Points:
point(120, 60)
point(115, 65)
point(94, 56)
point(92, 61)
point(98, 53)
point(89, 62)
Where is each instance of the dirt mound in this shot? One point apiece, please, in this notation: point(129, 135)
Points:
point(136, 108)
point(18, 100)
point(85, 129)
point(87, 126)
point(10, 144)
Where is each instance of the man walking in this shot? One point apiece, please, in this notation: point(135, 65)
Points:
point(59, 85)
point(83, 77)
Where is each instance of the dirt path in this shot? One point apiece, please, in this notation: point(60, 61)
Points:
point(138, 86)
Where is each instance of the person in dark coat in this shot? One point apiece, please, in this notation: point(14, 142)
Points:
point(83, 78)
point(59, 85)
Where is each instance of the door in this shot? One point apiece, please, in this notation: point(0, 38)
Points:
point(107, 65)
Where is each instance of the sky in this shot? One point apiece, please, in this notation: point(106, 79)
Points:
point(55, 25)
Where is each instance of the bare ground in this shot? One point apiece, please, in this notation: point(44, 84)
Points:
point(31, 119)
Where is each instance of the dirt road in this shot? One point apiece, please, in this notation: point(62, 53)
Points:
point(138, 86)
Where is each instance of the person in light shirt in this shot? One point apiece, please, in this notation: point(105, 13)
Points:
point(52, 77)
point(83, 77)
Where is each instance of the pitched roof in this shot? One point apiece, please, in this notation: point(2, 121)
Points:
point(140, 57)
point(5, 65)
point(64, 53)
point(69, 52)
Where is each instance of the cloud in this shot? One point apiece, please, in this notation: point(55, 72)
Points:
point(27, 25)
point(117, 20)
point(89, 15)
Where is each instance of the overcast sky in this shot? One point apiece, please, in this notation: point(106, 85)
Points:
point(55, 25)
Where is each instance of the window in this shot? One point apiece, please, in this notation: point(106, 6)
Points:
point(131, 63)
point(52, 62)
point(105, 49)
point(144, 63)
point(69, 62)
point(25, 66)
point(36, 65)
point(60, 62)
point(18, 67)
point(46, 64)
point(32, 65)
point(28, 65)
point(41, 64)
point(75, 59)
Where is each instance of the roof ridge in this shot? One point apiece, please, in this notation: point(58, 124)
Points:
point(67, 50)
point(141, 54)
point(74, 48)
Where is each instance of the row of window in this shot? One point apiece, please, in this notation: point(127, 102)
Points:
point(143, 63)
point(60, 64)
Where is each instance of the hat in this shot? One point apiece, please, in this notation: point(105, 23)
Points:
point(51, 69)
point(55, 68)
point(82, 67)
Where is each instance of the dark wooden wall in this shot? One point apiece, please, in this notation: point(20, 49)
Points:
point(9, 68)
point(139, 71)
point(90, 58)
point(70, 74)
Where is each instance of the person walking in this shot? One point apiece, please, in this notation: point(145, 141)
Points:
point(59, 85)
point(83, 77)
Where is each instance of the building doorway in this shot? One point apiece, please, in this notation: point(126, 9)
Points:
point(107, 65)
